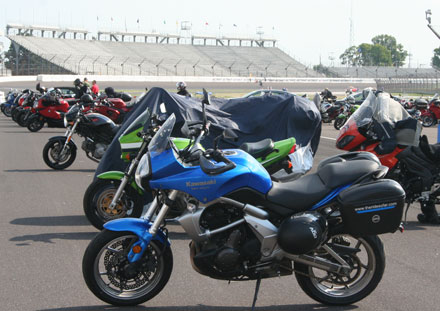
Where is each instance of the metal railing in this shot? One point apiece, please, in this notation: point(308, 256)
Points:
point(409, 85)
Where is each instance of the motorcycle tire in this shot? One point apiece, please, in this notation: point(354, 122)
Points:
point(15, 113)
point(339, 122)
point(2, 108)
point(35, 124)
point(51, 152)
point(22, 120)
point(7, 111)
point(332, 289)
point(98, 197)
point(110, 277)
point(428, 121)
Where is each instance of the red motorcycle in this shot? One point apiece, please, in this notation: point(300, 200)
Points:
point(114, 108)
point(431, 116)
point(383, 127)
point(50, 109)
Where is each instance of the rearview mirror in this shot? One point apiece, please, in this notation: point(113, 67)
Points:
point(229, 134)
point(205, 99)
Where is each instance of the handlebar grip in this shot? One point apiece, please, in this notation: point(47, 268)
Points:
point(211, 169)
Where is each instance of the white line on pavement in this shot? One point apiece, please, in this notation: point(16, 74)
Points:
point(331, 138)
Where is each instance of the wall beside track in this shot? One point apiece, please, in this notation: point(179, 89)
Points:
point(105, 78)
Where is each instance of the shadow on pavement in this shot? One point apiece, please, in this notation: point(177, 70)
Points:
point(74, 220)
point(303, 307)
point(49, 237)
point(417, 226)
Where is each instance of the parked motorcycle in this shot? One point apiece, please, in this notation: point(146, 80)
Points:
point(8, 105)
point(50, 109)
point(97, 129)
point(115, 194)
point(430, 116)
point(381, 126)
point(348, 108)
point(323, 227)
point(114, 108)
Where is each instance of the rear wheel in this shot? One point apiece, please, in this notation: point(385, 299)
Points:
point(113, 279)
point(54, 159)
point(366, 258)
point(35, 124)
point(100, 194)
point(339, 122)
point(428, 120)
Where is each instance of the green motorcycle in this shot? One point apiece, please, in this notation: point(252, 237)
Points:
point(114, 194)
point(347, 110)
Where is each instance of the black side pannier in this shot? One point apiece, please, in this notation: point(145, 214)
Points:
point(372, 208)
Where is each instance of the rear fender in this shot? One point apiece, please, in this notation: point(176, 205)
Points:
point(281, 150)
point(62, 139)
point(140, 228)
point(117, 175)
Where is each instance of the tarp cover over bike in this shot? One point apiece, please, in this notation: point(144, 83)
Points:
point(252, 119)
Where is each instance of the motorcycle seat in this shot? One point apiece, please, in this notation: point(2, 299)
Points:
point(432, 152)
point(301, 194)
point(258, 149)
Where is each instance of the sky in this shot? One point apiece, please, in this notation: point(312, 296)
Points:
point(313, 31)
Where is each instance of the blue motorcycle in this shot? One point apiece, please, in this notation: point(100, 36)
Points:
point(243, 226)
point(10, 103)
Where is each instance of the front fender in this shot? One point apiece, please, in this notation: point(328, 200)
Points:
point(138, 226)
point(117, 175)
point(63, 139)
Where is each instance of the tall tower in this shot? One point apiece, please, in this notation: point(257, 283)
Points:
point(351, 39)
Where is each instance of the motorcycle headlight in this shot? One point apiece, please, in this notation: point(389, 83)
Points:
point(142, 171)
point(65, 121)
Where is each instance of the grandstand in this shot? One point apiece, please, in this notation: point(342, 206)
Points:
point(383, 72)
point(165, 56)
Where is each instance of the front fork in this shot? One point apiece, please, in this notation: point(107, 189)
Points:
point(68, 135)
point(138, 248)
point(124, 181)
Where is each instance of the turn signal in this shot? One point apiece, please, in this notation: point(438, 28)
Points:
point(127, 156)
point(289, 165)
point(137, 249)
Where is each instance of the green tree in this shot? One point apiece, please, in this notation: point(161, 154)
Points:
point(436, 58)
point(351, 56)
point(398, 54)
point(374, 55)
point(385, 51)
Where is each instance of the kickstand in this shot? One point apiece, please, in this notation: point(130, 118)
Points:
point(257, 288)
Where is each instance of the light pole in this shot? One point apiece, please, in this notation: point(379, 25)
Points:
point(109, 63)
point(428, 14)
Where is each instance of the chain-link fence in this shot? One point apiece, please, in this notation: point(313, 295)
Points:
point(409, 85)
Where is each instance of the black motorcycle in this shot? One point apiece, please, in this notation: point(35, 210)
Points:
point(97, 129)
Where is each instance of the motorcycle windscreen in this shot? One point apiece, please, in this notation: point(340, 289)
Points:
point(129, 136)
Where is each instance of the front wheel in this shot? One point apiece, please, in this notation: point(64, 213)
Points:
point(428, 120)
point(339, 122)
point(7, 111)
point(35, 124)
point(54, 159)
point(22, 119)
point(100, 194)
point(365, 256)
point(113, 279)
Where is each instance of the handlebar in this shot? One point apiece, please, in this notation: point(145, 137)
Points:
point(210, 168)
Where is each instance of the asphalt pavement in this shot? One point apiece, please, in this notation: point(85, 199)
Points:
point(44, 234)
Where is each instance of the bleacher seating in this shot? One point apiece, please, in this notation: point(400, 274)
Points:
point(384, 72)
point(134, 58)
